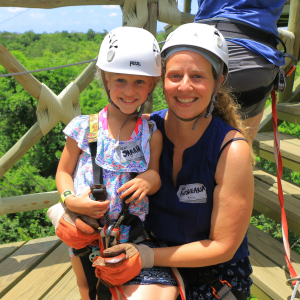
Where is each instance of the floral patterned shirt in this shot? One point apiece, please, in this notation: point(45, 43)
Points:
point(116, 171)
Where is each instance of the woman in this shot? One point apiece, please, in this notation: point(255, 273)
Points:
point(203, 208)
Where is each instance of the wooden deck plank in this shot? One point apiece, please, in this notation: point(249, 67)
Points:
point(22, 261)
point(266, 202)
point(258, 293)
point(43, 277)
point(287, 187)
point(289, 150)
point(268, 277)
point(285, 137)
point(273, 249)
point(290, 164)
point(8, 249)
point(66, 289)
point(290, 108)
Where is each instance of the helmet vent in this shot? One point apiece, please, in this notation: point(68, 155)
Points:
point(217, 33)
point(110, 55)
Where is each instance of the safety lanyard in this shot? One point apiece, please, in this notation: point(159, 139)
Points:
point(279, 167)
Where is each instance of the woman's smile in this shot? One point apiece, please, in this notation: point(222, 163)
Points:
point(186, 100)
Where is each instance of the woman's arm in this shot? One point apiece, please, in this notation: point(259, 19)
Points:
point(146, 183)
point(81, 204)
point(233, 202)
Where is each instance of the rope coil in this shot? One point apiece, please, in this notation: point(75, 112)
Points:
point(135, 13)
point(168, 12)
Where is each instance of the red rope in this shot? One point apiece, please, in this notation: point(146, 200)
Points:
point(279, 166)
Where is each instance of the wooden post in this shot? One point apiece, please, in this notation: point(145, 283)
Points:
point(28, 202)
point(151, 26)
point(34, 134)
point(187, 18)
point(187, 6)
point(293, 26)
point(59, 3)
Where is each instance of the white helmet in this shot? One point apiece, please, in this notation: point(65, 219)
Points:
point(202, 36)
point(130, 50)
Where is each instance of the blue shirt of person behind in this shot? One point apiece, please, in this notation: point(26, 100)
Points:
point(262, 14)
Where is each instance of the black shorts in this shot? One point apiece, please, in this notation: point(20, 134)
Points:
point(251, 79)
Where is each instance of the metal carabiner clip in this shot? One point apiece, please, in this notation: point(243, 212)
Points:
point(280, 81)
point(289, 281)
point(107, 235)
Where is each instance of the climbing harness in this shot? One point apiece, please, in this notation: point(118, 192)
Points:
point(110, 233)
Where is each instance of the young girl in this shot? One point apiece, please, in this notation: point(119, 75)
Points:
point(129, 63)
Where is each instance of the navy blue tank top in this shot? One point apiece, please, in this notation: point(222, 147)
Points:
point(181, 214)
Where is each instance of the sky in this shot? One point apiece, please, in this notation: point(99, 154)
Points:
point(72, 18)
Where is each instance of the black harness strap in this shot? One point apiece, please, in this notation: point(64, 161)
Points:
point(229, 142)
point(134, 221)
point(99, 192)
point(237, 30)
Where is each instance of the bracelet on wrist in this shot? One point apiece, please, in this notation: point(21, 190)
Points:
point(65, 194)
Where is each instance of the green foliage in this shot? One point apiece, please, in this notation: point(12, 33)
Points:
point(25, 226)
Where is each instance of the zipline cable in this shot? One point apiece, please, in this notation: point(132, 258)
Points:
point(15, 16)
point(47, 69)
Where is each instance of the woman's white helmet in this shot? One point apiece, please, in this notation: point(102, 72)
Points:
point(130, 50)
point(202, 36)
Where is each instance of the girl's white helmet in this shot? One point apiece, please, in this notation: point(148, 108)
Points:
point(202, 36)
point(130, 50)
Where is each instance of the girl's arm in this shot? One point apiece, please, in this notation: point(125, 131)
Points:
point(81, 204)
point(232, 208)
point(146, 183)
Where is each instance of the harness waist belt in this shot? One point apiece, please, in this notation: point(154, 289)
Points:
point(236, 30)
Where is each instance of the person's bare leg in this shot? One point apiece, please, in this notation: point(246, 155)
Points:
point(149, 292)
point(253, 124)
point(81, 279)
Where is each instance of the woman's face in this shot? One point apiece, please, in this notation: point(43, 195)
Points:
point(188, 84)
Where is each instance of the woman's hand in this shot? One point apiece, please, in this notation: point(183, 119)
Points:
point(122, 263)
point(82, 204)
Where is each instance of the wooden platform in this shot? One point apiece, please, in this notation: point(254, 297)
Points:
point(41, 268)
point(38, 269)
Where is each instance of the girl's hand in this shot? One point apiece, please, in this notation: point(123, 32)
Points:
point(138, 187)
point(82, 204)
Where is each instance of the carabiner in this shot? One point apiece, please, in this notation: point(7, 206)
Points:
point(107, 235)
point(279, 84)
point(289, 281)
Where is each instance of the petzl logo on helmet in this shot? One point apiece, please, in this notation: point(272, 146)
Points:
point(135, 63)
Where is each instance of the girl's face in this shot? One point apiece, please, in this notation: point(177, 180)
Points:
point(129, 92)
point(188, 84)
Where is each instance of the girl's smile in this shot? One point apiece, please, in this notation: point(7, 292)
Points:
point(129, 92)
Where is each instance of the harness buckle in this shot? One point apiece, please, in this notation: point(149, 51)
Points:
point(279, 83)
point(82, 252)
point(223, 291)
point(99, 192)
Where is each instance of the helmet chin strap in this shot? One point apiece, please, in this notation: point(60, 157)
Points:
point(210, 107)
